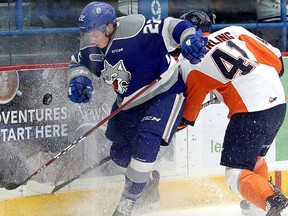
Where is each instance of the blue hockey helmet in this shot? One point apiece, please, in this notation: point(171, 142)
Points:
point(96, 15)
point(199, 19)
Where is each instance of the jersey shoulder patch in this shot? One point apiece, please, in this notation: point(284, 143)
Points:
point(129, 26)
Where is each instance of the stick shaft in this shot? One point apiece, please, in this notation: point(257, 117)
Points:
point(94, 166)
point(208, 103)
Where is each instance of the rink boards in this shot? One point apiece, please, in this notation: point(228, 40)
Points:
point(101, 201)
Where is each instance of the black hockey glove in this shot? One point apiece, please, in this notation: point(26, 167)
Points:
point(184, 123)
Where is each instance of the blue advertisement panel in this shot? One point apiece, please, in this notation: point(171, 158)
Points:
point(153, 9)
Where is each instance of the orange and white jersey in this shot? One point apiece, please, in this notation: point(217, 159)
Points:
point(240, 68)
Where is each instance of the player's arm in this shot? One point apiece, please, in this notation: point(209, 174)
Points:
point(89, 57)
point(182, 32)
point(79, 80)
point(80, 84)
point(83, 65)
point(281, 72)
point(198, 86)
point(263, 51)
point(195, 95)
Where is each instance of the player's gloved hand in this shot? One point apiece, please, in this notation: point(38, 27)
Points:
point(183, 124)
point(193, 47)
point(80, 89)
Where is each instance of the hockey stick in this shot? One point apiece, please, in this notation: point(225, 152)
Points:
point(12, 185)
point(43, 188)
point(94, 166)
point(214, 100)
point(106, 159)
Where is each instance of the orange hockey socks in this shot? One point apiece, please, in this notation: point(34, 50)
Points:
point(255, 188)
point(261, 168)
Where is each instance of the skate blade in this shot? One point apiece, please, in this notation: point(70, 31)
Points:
point(253, 212)
point(284, 211)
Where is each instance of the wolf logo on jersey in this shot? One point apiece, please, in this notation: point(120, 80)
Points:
point(117, 76)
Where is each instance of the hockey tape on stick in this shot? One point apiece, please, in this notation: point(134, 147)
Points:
point(14, 185)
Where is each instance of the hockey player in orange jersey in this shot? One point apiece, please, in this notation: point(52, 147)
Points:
point(243, 71)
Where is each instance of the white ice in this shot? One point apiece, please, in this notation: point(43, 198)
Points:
point(225, 210)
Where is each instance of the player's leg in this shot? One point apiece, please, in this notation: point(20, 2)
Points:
point(277, 203)
point(120, 130)
point(248, 208)
point(245, 136)
point(261, 168)
point(159, 122)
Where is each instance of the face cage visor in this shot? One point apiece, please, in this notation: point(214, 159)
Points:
point(87, 38)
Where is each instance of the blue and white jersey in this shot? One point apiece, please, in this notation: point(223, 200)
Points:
point(137, 54)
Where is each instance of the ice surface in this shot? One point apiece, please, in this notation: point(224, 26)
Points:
point(225, 210)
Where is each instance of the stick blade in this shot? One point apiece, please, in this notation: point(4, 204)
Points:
point(40, 188)
point(11, 186)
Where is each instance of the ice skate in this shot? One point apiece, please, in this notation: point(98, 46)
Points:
point(149, 199)
point(124, 207)
point(249, 209)
point(277, 205)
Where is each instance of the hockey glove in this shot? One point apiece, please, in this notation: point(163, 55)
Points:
point(80, 89)
point(193, 47)
point(183, 124)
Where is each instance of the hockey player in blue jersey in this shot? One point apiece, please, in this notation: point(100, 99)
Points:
point(129, 53)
